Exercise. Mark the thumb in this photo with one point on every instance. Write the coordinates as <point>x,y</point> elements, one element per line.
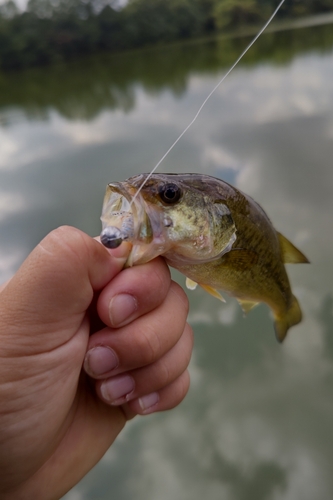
<point>53,289</point>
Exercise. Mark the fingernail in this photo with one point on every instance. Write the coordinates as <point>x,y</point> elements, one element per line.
<point>121,307</point>
<point>114,390</point>
<point>147,402</point>
<point>99,360</point>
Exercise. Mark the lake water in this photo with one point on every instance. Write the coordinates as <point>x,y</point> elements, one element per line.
<point>257,423</point>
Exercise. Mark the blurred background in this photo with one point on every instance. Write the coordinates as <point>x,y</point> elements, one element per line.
<point>95,91</point>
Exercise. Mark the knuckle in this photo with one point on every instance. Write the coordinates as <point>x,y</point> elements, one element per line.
<point>184,385</point>
<point>181,296</point>
<point>149,345</point>
<point>179,389</point>
<point>191,335</point>
<point>68,240</point>
<point>65,235</point>
<point>162,273</point>
<point>188,331</point>
<point>186,345</point>
<point>158,282</point>
<point>164,374</point>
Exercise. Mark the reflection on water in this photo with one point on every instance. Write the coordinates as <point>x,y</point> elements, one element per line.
<point>257,421</point>
<point>110,81</point>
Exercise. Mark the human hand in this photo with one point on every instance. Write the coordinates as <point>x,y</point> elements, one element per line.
<point>54,423</point>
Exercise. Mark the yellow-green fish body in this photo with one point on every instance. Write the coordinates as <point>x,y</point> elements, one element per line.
<point>210,231</point>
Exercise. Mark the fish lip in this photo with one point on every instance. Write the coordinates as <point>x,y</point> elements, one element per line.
<point>119,200</point>
<point>125,209</point>
<point>139,223</point>
<point>130,193</point>
<point>120,188</point>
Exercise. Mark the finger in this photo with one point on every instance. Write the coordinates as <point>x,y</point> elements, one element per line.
<point>3,285</point>
<point>53,288</point>
<point>134,292</point>
<point>150,379</point>
<point>165,399</point>
<point>142,342</point>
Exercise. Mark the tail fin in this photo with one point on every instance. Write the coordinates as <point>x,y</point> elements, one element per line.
<point>293,316</point>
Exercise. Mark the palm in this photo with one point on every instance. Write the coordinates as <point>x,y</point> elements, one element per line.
<point>70,422</point>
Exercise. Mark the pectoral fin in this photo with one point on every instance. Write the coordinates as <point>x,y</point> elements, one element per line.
<point>190,284</point>
<point>247,305</point>
<point>291,254</point>
<point>240,258</point>
<point>212,291</point>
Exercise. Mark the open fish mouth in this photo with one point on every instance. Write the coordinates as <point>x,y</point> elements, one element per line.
<point>118,216</point>
<point>124,218</point>
<point>127,217</point>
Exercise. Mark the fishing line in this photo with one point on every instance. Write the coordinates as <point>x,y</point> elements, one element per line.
<point>208,97</point>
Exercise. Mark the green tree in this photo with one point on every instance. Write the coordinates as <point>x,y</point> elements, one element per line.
<point>41,8</point>
<point>235,13</point>
<point>8,10</point>
<point>152,21</point>
<point>53,30</point>
<point>113,33</point>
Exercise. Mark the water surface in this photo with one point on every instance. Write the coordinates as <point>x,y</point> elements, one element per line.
<point>257,423</point>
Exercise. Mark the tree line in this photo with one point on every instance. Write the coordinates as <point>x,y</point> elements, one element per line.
<point>49,31</point>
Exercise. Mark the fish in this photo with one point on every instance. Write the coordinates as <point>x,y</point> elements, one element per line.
<point>213,233</point>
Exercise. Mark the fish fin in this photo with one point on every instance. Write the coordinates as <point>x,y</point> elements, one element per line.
<point>291,254</point>
<point>212,291</point>
<point>243,259</point>
<point>190,284</point>
<point>292,317</point>
<point>247,305</point>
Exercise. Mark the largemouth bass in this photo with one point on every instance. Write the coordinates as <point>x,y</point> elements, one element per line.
<point>214,234</point>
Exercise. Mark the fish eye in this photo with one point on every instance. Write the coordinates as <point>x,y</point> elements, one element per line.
<point>170,193</point>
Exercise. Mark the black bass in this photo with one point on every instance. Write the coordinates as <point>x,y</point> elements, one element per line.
<point>214,234</point>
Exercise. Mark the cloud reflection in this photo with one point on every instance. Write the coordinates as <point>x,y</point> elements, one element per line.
<point>257,422</point>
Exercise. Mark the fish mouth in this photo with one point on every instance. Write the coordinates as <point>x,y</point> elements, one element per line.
<point>119,213</point>
<point>127,217</point>
<point>131,215</point>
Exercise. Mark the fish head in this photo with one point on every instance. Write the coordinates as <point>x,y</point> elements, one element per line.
<point>175,215</point>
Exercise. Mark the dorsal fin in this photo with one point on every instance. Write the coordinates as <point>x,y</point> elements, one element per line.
<point>291,254</point>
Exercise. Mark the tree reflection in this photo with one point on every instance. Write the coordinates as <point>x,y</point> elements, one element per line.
<point>83,89</point>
